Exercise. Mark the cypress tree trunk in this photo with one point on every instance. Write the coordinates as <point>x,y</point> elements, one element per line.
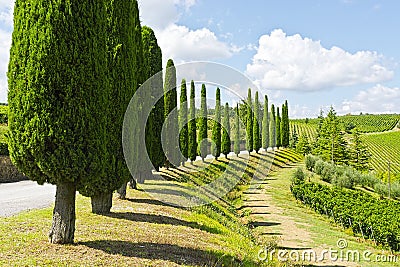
<point>192,138</point>
<point>121,192</point>
<point>63,226</point>
<point>102,203</point>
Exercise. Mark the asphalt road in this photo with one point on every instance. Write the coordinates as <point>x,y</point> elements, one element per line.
<point>25,195</point>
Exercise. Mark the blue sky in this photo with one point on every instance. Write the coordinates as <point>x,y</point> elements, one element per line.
<point>315,53</point>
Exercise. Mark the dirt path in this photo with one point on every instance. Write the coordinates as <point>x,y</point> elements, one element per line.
<point>272,220</point>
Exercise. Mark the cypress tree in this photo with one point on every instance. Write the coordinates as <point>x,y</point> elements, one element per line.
<point>152,56</point>
<point>171,125</point>
<point>57,128</point>
<point>183,123</point>
<point>236,144</point>
<point>192,146</point>
<point>203,143</point>
<point>226,140</point>
<point>265,125</point>
<point>256,124</point>
<point>272,127</point>
<point>124,58</point>
<point>249,123</point>
<point>285,125</point>
<point>216,131</point>
<point>278,129</point>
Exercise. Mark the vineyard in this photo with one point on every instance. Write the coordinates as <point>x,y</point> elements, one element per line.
<point>366,216</point>
<point>384,147</point>
<point>371,123</point>
<point>301,128</point>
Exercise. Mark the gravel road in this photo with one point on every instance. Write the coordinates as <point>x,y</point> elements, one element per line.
<point>25,195</point>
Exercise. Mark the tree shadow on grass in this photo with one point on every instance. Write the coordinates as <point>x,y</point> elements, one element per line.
<point>161,219</point>
<point>154,251</point>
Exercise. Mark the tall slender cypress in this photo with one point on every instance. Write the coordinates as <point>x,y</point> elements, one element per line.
<point>192,140</point>
<point>278,129</point>
<point>256,124</point>
<point>171,124</point>
<point>285,125</point>
<point>216,130</point>
<point>152,56</point>
<point>249,123</point>
<point>203,142</point>
<point>57,127</point>
<point>226,132</point>
<point>272,127</point>
<point>265,125</point>
<point>236,143</point>
<point>183,123</point>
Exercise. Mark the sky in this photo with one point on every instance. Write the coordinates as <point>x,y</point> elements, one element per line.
<point>314,53</point>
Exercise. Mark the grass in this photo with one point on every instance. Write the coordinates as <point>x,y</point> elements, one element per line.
<point>324,232</point>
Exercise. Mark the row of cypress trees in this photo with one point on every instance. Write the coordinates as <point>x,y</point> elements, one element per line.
<point>73,69</point>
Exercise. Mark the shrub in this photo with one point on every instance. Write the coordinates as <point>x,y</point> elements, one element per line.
<point>328,172</point>
<point>319,166</point>
<point>298,176</point>
<point>369,180</point>
<point>310,161</point>
<point>346,179</point>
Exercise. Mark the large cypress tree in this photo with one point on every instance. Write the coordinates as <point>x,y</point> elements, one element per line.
<point>278,129</point>
<point>183,123</point>
<point>171,124</point>
<point>216,130</point>
<point>192,140</point>
<point>57,126</point>
<point>152,56</point>
<point>256,124</point>
<point>272,128</point>
<point>203,142</point>
<point>265,125</point>
<point>226,139</point>
<point>249,123</point>
<point>125,64</point>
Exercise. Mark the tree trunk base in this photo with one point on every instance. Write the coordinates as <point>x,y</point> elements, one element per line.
<point>102,203</point>
<point>63,226</point>
<point>121,192</point>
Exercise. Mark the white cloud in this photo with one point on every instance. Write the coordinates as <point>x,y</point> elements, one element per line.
<point>378,99</point>
<point>179,42</point>
<point>6,21</point>
<point>297,63</point>
<point>6,12</point>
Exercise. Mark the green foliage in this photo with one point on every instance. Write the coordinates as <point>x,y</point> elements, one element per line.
<point>236,144</point>
<point>171,125</point>
<point>58,91</point>
<point>152,57</point>
<point>310,161</point>
<point>249,123</point>
<point>278,129</point>
<point>369,123</point>
<point>298,177</point>
<point>216,129</point>
<point>303,146</point>
<point>285,126</point>
<point>272,127</point>
<point>203,143</point>
<point>4,149</point>
<point>373,218</point>
<point>192,140</point>
<point>265,125</point>
<point>226,140</point>
<point>256,124</point>
<point>359,154</point>
<point>183,126</point>
<point>3,114</point>
<point>319,166</point>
